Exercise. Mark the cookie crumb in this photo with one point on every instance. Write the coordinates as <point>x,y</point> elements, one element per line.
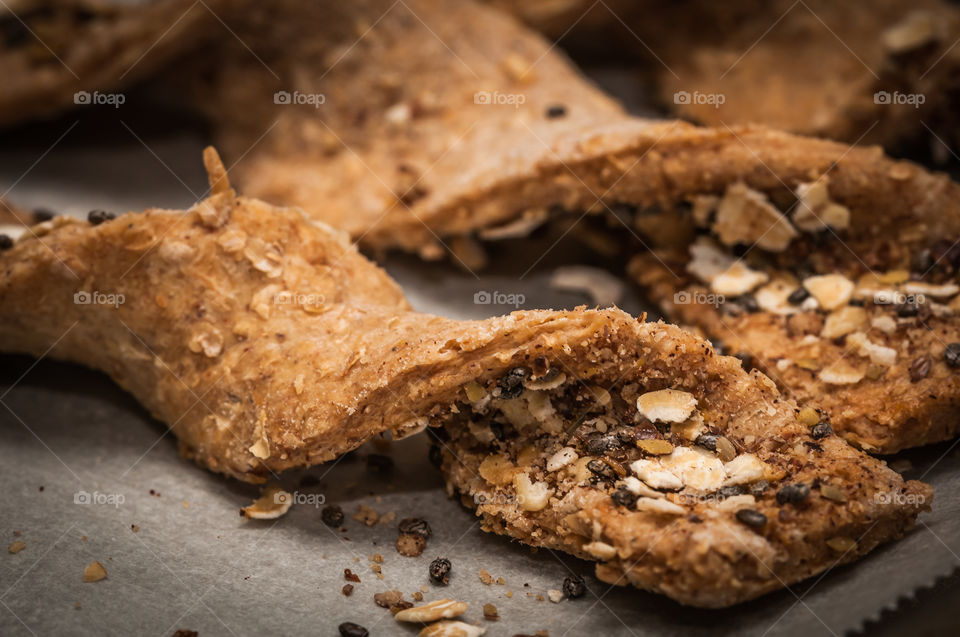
<point>17,546</point>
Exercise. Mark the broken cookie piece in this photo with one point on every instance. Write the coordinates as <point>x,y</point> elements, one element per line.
<point>685,475</point>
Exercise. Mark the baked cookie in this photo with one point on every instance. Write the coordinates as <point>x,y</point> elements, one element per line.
<point>872,71</point>
<point>54,54</point>
<point>266,341</point>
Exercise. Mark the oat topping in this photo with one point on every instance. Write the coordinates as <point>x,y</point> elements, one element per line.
<point>432,611</point>
<point>830,290</point>
<point>666,405</point>
<point>914,31</point>
<point>452,629</point>
<point>815,211</point>
<point>737,280</point>
<point>94,572</point>
<point>745,216</point>
<point>561,459</point>
<point>273,503</point>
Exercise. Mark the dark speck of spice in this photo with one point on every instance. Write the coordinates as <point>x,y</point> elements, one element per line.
<point>601,469</point>
<point>623,497</point>
<point>511,385</point>
<point>96,217</point>
<point>752,518</point>
<point>573,586</point>
<point>798,296</point>
<point>5,242</point>
<point>415,526</point>
<point>381,465</point>
<point>332,515</point>
<point>952,354</point>
<point>821,430</point>
<point>440,570</point>
<point>920,368</point>
<point>793,493</point>
<point>349,629</point>
<point>555,111</point>
<point>707,441</point>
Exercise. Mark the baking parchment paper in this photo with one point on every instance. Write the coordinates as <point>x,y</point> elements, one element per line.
<point>195,564</point>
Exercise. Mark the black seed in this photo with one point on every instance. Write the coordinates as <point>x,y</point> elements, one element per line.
<point>573,586</point>
<point>752,518</point>
<point>757,488</point>
<point>556,110</point>
<point>96,217</point>
<point>602,469</point>
<point>5,242</point>
<point>920,368</point>
<point>379,464</point>
<point>623,497</point>
<point>798,296</point>
<point>41,214</point>
<point>415,526</point>
<point>793,493</point>
<point>908,309</point>
<point>707,441</point>
<point>332,515</point>
<point>598,445</point>
<point>511,385</point>
<point>728,492</point>
<point>627,436</point>
<point>821,430</point>
<point>435,456</point>
<point>440,570</point>
<point>922,262</point>
<point>952,354</point>
<point>349,629</point>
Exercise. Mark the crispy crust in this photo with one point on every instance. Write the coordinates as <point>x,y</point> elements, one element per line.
<point>266,342</point>
<point>53,49</point>
<point>704,556</point>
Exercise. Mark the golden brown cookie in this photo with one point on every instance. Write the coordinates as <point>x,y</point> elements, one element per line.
<point>266,341</point>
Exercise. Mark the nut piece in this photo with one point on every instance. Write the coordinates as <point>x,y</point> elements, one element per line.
<point>650,472</point>
<point>663,507</point>
<point>531,496</point>
<point>439,609</point>
<point>746,216</point>
<point>17,546</point>
<point>452,629</point>
<point>744,469</point>
<point>815,211</point>
<point>831,290</point>
<point>94,572</point>
<point>841,373</point>
<point>655,446</point>
<point>272,503</point>
<point>844,321</point>
<point>738,279</point>
<point>600,550</point>
<point>561,459</point>
<point>666,405</point>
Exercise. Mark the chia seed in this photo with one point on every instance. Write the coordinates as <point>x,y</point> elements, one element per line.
<point>793,493</point>
<point>821,430</point>
<point>96,217</point>
<point>751,518</point>
<point>798,296</point>
<point>440,570</point>
<point>573,586</point>
<point>511,385</point>
<point>952,354</point>
<point>332,515</point>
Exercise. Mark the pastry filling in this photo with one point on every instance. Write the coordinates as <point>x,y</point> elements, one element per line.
<point>537,440</point>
